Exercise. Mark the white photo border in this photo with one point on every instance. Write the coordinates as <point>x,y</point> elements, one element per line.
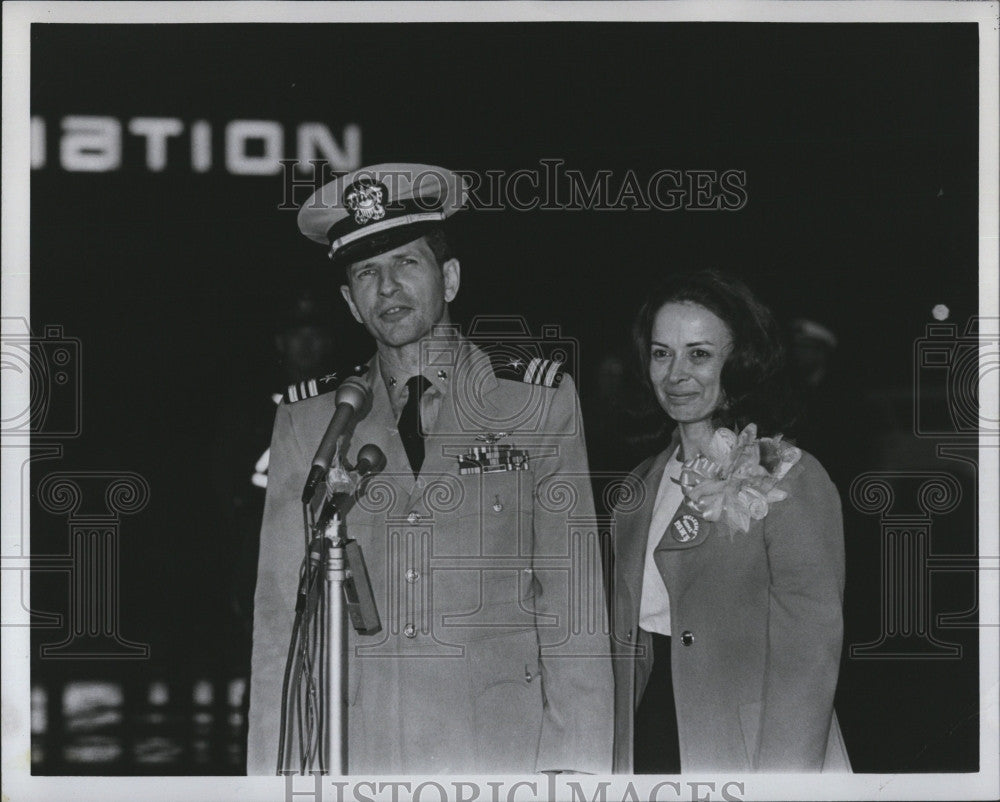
<point>18,784</point>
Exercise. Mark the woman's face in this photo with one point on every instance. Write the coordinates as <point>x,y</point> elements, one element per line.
<point>689,345</point>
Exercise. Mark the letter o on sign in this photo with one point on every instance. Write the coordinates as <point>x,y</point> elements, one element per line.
<point>240,132</point>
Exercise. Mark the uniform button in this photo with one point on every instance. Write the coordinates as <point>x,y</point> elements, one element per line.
<point>410,631</point>
<point>412,575</point>
<point>413,517</point>
<point>628,636</point>
<point>687,638</point>
<point>497,506</point>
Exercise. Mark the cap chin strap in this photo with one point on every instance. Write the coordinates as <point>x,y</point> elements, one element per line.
<point>347,239</point>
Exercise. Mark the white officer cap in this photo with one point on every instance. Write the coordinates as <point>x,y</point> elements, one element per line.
<point>375,209</point>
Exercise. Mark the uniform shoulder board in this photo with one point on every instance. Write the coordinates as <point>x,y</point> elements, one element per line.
<point>530,370</point>
<point>310,388</point>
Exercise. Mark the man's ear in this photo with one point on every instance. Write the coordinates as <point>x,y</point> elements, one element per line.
<point>452,271</point>
<point>346,292</point>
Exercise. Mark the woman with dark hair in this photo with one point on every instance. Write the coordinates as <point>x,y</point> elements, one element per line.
<point>729,555</point>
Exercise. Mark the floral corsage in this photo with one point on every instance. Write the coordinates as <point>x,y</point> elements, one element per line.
<point>738,476</point>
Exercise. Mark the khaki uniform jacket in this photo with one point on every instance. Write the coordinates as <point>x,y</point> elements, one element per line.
<point>756,629</point>
<point>494,650</point>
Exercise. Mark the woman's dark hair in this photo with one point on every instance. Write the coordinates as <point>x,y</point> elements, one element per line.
<point>755,386</point>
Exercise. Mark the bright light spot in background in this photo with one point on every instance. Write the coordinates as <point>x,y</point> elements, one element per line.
<point>93,749</point>
<point>90,705</point>
<point>203,692</point>
<point>237,688</point>
<point>39,710</point>
<point>156,749</point>
<point>237,691</point>
<point>158,694</point>
<point>940,312</point>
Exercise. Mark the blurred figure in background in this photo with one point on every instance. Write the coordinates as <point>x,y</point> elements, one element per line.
<point>830,398</point>
<point>620,429</point>
<point>304,340</point>
<point>612,438</point>
<point>303,349</point>
<point>812,347</point>
<point>623,425</point>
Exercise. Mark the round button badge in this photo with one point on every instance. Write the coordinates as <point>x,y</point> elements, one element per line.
<point>685,528</point>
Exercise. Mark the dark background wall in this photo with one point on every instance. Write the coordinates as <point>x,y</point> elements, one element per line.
<point>859,144</point>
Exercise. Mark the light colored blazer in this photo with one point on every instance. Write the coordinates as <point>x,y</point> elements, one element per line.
<point>756,627</point>
<point>507,670</point>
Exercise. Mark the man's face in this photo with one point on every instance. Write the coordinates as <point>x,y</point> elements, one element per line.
<point>401,294</point>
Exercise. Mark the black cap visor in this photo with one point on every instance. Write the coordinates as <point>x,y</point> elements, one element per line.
<point>381,242</point>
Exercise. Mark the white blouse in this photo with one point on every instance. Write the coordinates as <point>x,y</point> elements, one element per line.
<point>654,607</point>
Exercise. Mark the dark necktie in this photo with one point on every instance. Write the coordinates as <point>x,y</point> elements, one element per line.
<point>409,423</point>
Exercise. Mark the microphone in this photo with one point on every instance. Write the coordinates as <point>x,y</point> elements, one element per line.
<point>371,460</point>
<point>352,397</point>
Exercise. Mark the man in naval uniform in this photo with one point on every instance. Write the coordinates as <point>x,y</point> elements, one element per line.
<point>479,536</point>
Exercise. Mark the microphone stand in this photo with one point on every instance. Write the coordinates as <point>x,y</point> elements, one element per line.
<point>333,644</point>
<point>326,598</point>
